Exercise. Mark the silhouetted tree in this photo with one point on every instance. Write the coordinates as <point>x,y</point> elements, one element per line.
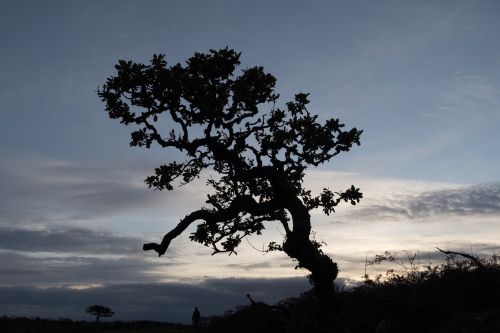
<point>99,311</point>
<point>228,122</point>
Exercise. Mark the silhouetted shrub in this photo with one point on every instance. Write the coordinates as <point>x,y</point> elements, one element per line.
<point>457,296</point>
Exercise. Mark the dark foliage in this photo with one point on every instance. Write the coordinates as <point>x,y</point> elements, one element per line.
<point>99,311</point>
<point>226,121</point>
<point>457,296</point>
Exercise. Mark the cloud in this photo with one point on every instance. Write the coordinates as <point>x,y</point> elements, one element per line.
<point>80,257</point>
<point>47,249</point>
<point>175,301</point>
<point>38,193</point>
<point>472,200</point>
<point>56,269</point>
<point>466,93</point>
<point>249,267</point>
<point>73,257</point>
<point>166,302</point>
<point>482,200</point>
<point>68,241</point>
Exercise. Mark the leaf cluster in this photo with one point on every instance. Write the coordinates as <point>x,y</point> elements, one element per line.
<point>99,310</point>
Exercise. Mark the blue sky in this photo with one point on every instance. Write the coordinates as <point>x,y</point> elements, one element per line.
<point>421,78</point>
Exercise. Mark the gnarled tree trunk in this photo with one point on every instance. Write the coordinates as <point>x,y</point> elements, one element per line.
<point>299,246</point>
<point>323,270</point>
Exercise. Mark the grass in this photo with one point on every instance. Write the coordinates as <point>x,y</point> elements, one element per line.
<point>37,325</point>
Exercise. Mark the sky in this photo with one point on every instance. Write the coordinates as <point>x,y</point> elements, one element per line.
<point>421,78</point>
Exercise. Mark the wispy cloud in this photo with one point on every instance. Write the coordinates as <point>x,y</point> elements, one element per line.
<point>37,193</point>
<point>470,95</point>
<point>482,200</point>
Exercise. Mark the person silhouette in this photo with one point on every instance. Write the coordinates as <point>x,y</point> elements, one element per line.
<point>196,318</point>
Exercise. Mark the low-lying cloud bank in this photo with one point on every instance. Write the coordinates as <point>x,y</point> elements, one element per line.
<point>55,270</point>
<point>68,257</point>
<point>73,240</point>
<point>172,302</point>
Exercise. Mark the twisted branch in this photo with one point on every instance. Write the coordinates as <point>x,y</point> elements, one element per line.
<point>241,204</point>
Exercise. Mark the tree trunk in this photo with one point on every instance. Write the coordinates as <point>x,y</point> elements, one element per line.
<point>323,270</point>
<point>299,246</point>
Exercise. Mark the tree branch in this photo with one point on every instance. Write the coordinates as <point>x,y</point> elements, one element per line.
<point>475,260</point>
<point>241,204</point>
<point>183,224</point>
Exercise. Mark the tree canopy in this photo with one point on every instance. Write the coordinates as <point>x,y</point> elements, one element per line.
<point>227,121</point>
<point>99,311</point>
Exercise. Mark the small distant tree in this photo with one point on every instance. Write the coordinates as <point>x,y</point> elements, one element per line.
<point>228,122</point>
<point>99,311</point>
